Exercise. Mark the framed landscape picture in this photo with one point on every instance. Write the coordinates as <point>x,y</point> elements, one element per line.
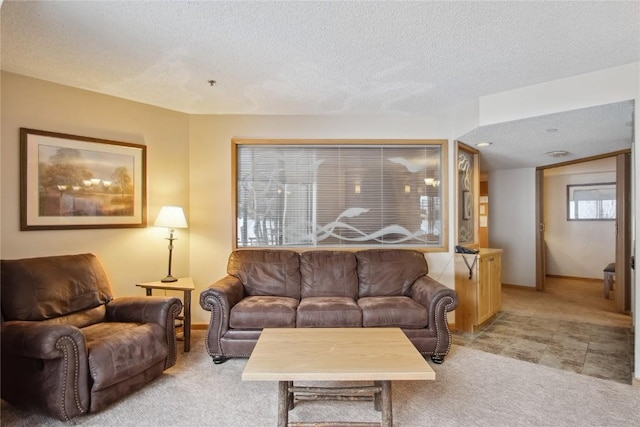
<point>77,182</point>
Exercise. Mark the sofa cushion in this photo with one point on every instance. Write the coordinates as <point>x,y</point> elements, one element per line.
<point>400,312</point>
<point>328,312</point>
<point>119,351</point>
<point>267,272</point>
<point>389,272</point>
<point>328,274</point>
<point>257,312</point>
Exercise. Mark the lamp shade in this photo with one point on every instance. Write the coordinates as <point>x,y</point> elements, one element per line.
<point>171,217</point>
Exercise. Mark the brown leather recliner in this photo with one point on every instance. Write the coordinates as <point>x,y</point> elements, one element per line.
<point>69,347</point>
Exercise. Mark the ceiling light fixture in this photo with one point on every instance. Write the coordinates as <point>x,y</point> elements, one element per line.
<point>433,182</point>
<point>484,144</point>
<point>557,153</point>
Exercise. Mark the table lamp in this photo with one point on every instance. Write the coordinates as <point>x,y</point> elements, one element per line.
<point>171,217</point>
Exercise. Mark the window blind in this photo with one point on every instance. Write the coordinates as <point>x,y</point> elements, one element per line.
<point>592,201</point>
<point>339,195</point>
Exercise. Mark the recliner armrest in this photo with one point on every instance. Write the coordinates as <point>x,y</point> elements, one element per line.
<point>152,309</point>
<point>45,366</point>
<point>39,340</point>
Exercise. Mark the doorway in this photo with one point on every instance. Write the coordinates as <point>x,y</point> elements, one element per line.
<point>581,249</point>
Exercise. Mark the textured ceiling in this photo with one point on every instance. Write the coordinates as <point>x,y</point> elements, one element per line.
<point>327,57</point>
<point>581,133</point>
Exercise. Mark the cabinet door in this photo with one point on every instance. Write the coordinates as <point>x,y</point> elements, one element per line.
<point>484,289</point>
<point>466,287</point>
<point>496,283</point>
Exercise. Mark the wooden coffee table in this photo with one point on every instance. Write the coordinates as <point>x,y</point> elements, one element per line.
<point>335,354</point>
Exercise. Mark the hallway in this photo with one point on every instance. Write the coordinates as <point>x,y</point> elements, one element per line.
<point>570,326</point>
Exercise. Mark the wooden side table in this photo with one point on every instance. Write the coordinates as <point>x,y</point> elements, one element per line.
<point>186,285</point>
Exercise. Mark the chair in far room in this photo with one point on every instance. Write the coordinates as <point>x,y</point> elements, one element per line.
<point>69,347</point>
<point>609,278</point>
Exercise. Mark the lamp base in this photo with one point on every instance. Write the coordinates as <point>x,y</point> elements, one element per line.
<point>169,279</point>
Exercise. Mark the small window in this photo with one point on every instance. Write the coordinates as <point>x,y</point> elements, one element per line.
<point>591,202</point>
<point>325,193</point>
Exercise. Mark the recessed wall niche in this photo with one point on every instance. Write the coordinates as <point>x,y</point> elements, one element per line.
<point>467,194</point>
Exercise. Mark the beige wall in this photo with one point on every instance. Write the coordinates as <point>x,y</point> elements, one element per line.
<point>188,164</point>
<point>210,168</point>
<point>130,255</point>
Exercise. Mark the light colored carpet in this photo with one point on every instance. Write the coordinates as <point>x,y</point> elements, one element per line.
<point>472,388</point>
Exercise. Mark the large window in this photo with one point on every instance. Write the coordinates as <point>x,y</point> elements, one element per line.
<point>339,193</point>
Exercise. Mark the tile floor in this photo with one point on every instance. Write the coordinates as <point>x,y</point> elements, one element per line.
<point>601,351</point>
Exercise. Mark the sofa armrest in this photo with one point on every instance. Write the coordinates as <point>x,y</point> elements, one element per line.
<point>429,293</point>
<point>226,292</point>
<point>439,300</point>
<point>50,358</point>
<point>219,298</point>
<point>160,310</point>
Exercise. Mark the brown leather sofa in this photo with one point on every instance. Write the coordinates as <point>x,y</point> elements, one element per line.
<point>331,289</point>
<point>68,347</point>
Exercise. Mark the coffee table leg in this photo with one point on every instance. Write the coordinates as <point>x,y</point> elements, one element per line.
<point>291,396</point>
<point>385,402</point>
<point>283,403</point>
<point>376,396</point>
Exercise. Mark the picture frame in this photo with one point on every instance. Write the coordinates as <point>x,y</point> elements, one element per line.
<point>77,182</point>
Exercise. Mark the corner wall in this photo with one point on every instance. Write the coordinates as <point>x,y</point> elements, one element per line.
<point>510,223</point>
<point>130,255</point>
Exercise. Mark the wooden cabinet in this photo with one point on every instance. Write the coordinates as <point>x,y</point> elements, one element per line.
<point>479,287</point>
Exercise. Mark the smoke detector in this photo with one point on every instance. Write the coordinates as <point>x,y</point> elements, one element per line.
<point>557,153</point>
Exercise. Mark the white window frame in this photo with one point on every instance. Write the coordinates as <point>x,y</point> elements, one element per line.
<point>593,198</point>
